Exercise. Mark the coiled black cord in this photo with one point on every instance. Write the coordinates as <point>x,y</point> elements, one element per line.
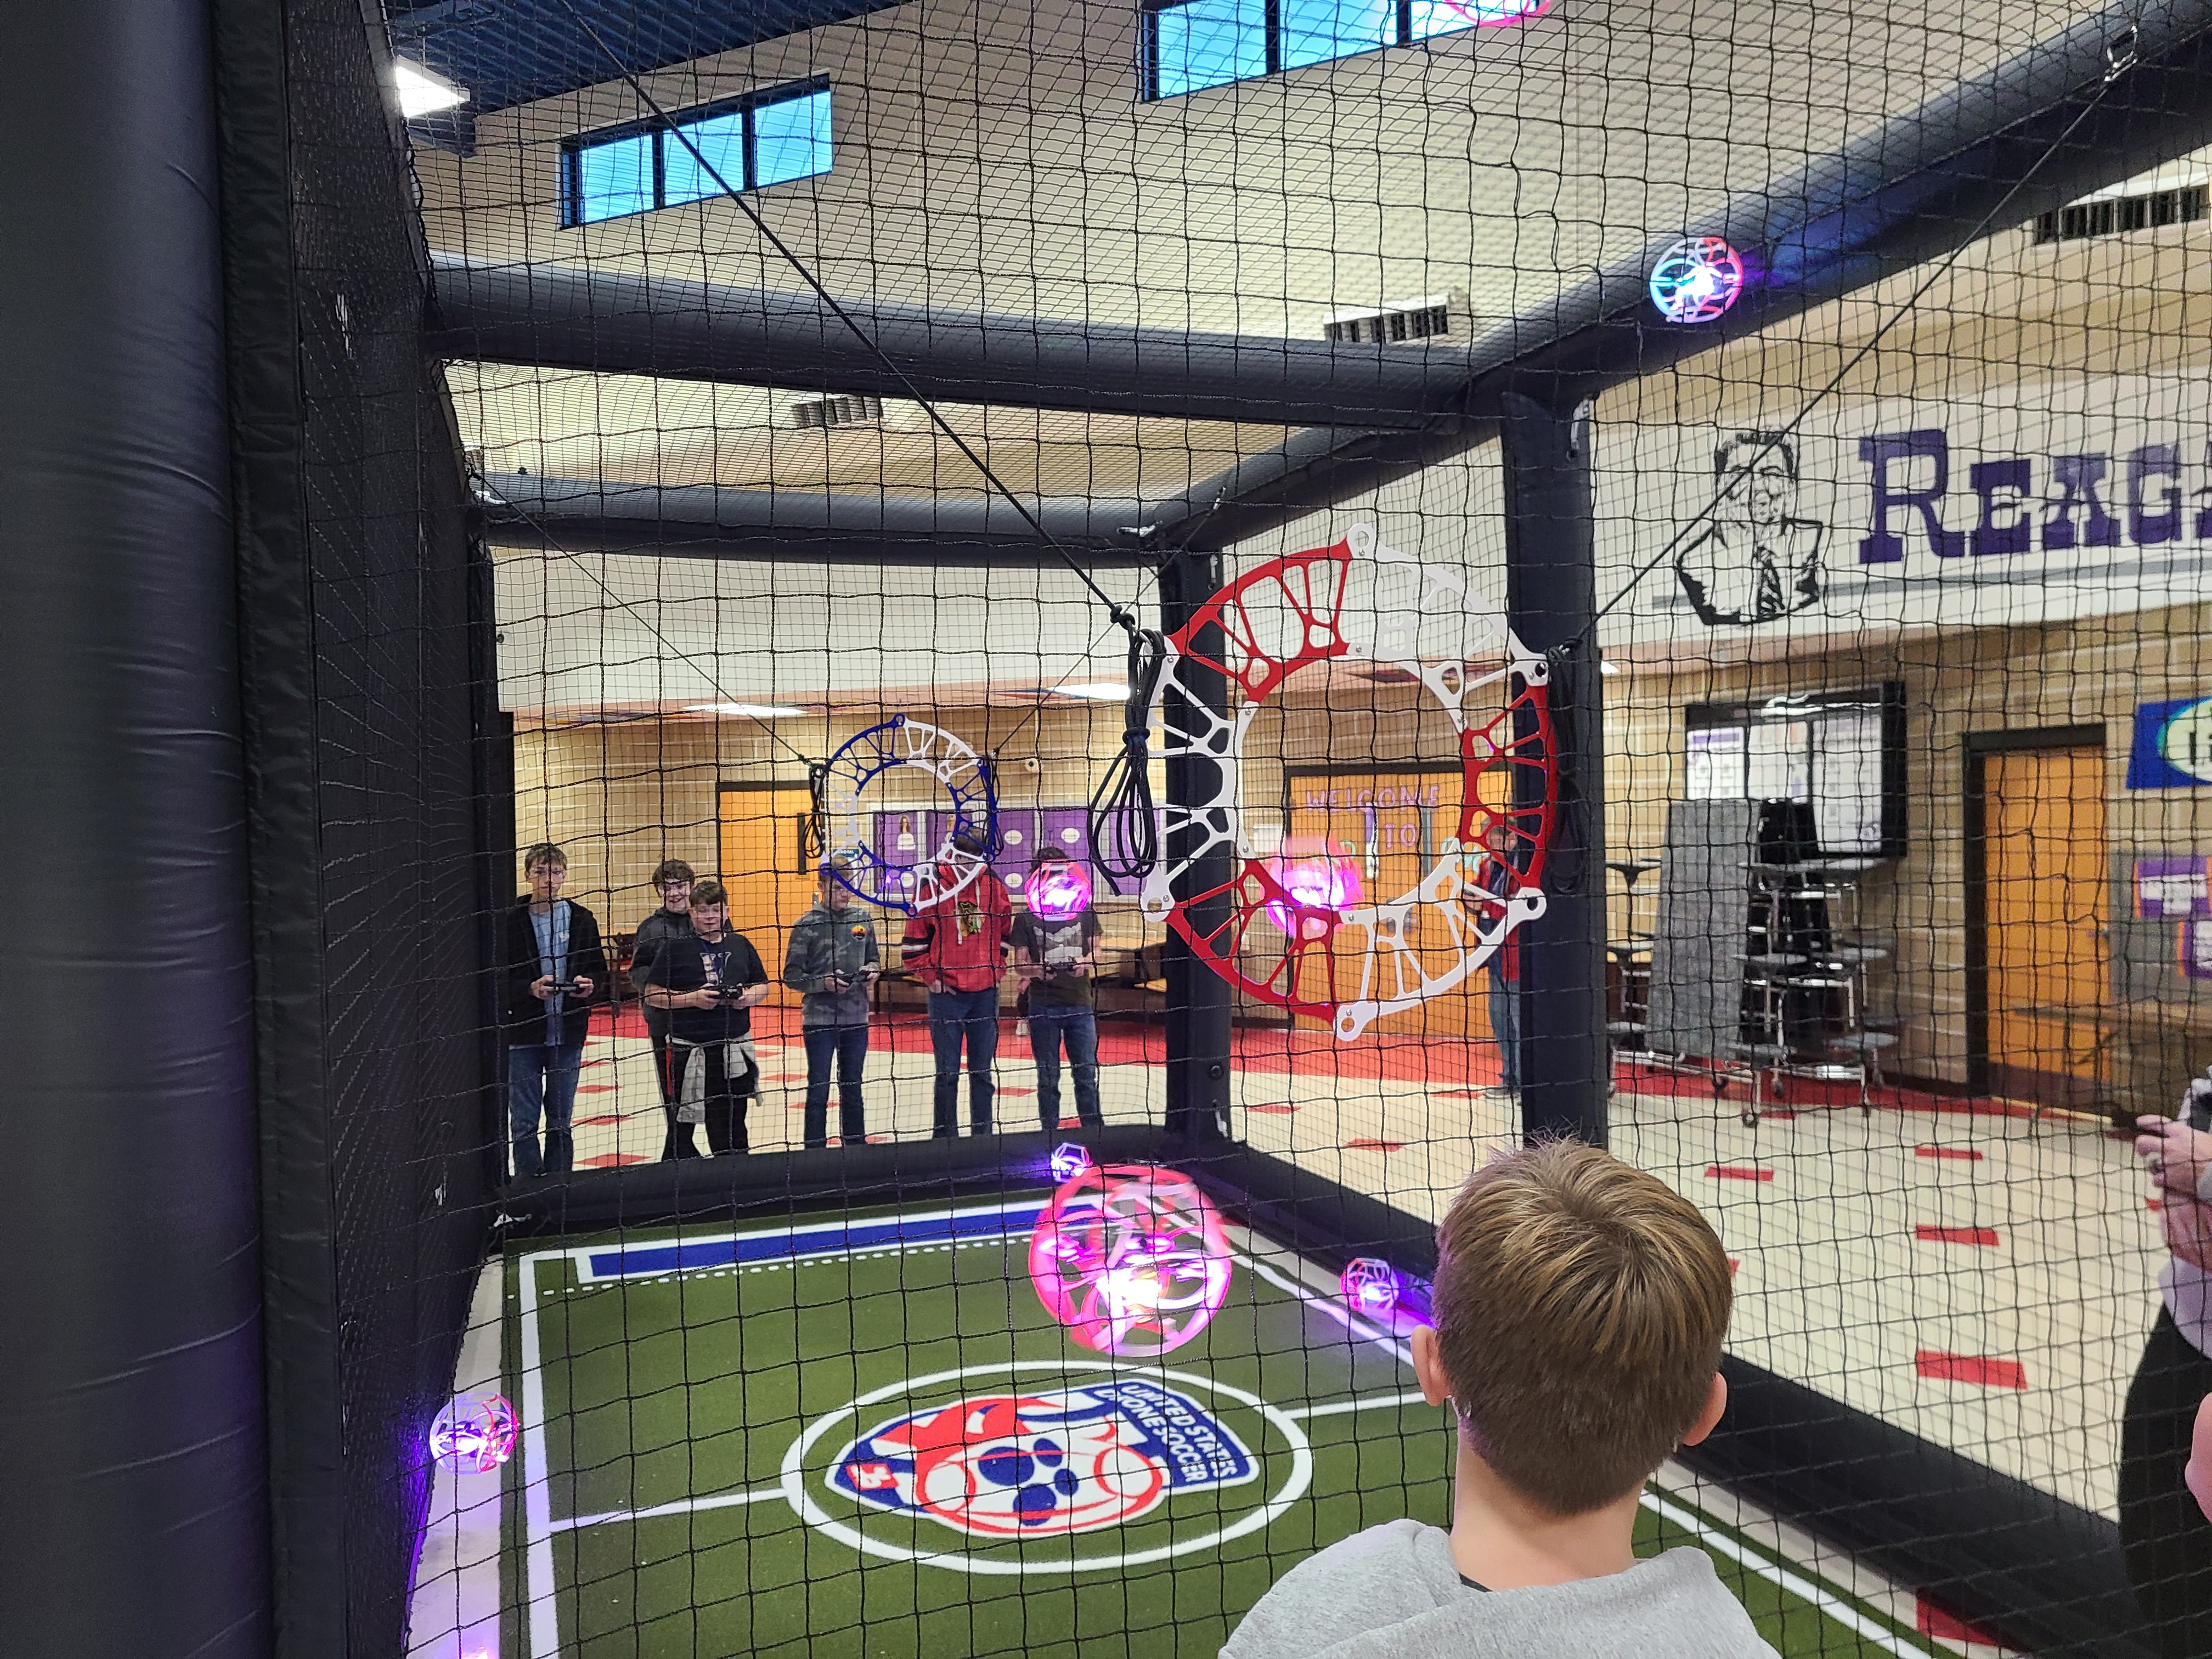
<point>1124,832</point>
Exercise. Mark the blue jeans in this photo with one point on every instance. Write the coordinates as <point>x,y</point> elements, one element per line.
<point>1049,1024</point>
<point>542,1076</point>
<point>970,1018</point>
<point>1505,1026</point>
<point>848,1046</point>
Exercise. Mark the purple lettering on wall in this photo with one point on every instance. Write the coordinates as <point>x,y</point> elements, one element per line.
<point>1882,545</point>
<point>2154,461</point>
<point>2003,486</point>
<point>2077,478</point>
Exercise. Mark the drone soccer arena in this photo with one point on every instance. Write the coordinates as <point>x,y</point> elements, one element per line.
<point>797,783</point>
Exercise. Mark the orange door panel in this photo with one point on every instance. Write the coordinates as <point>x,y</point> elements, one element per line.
<point>764,866</point>
<point>2045,909</point>
<point>1392,846</point>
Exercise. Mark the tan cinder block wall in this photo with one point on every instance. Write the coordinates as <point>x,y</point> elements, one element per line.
<point>2093,671</point>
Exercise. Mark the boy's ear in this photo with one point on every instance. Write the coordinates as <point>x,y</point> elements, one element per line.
<point>1715,1403</point>
<point>1436,1386</point>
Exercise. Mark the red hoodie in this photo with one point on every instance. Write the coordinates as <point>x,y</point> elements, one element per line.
<point>959,944</point>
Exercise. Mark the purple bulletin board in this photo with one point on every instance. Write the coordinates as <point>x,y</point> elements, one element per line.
<point>2172,889</point>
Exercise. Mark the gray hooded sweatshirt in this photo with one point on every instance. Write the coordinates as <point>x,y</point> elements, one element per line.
<point>1392,1592</point>
<point>826,944</point>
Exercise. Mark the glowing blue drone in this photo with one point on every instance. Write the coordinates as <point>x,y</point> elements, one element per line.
<point>971,830</point>
<point>1697,279</point>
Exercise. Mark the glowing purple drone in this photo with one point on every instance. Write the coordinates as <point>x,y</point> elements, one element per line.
<point>1069,1161</point>
<point>475,1434</point>
<point>1370,1285</point>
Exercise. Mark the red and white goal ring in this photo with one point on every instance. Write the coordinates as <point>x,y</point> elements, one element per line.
<point>1359,599</point>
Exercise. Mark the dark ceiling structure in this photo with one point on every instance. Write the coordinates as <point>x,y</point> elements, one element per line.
<point>517,51</point>
<point>2091,105</point>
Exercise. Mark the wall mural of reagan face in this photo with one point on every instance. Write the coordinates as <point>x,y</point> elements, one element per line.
<point>1759,558</point>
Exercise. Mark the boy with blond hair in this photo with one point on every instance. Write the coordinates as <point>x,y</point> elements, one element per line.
<point>1580,1306</point>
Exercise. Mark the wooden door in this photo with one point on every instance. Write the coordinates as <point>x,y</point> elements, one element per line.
<point>767,870</point>
<point>1390,830</point>
<point>2044,913</point>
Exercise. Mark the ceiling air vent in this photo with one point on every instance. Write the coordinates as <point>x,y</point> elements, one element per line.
<point>857,410</point>
<point>2115,216</point>
<point>1431,316</point>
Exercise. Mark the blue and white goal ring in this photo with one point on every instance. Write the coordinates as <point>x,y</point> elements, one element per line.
<point>895,883</point>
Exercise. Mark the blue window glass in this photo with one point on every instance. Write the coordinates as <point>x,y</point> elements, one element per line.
<point>721,140</point>
<point>791,138</point>
<point>762,138</point>
<point>1208,43</point>
<point>1432,18</point>
<point>613,178</point>
<point>1314,31</point>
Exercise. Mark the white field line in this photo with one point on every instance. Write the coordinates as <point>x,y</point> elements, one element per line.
<point>681,1506</point>
<point>1359,1328</point>
<point>1338,1407</point>
<point>544,1639</point>
<point>1819,1594</point>
<point>537,1497</point>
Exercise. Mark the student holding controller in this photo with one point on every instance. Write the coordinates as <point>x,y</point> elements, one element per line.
<point>709,980</point>
<point>832,962</point>
<point>2164,1535</point>
<point>556,969</point>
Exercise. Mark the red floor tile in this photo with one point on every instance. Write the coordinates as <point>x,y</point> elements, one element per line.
<point>1932,1235</point>
<point>1737,1172</point>
<point>614,1118</point>
<point>1735,1261</point>
<point>1365,1145</point>
<point>607,1160</point>
<point>1275,1106</point>
<point>1963,1154</point>
<point>2153,1204</point>
<point>1971,1368</point>
<point>595,1088</point>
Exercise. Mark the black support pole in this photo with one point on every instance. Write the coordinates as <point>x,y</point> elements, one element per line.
<point>1551,602</point>
<point>136,1514</point>
<point>1198,998</point>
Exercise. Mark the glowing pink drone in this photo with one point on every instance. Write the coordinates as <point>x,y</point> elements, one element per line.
<point>1312,887</point>
<point>1058,892</point>
<point>1131,1259</point>
<point>1494,13</point>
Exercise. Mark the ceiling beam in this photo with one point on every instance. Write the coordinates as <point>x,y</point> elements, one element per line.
<point>613,322</point>
<point>1914,189</point>
<point>578,515</point>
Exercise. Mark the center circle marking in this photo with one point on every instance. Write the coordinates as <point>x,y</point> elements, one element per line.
<point>803,1503</point>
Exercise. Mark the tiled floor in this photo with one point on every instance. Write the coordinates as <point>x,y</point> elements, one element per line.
<point>1983,1281</point>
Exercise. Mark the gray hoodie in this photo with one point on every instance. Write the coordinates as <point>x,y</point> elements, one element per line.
<point>826,943</point>
<point>1392,1592</point>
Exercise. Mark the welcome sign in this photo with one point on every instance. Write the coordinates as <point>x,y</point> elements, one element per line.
<point>2035,503</point>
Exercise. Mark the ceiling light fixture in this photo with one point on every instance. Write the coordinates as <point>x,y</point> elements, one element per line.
<point>758,711</point>
<point>424,91</point>
<point>1102,692</point>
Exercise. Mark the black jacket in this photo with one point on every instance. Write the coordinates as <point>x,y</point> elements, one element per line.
<point>524,1015</point>
<point>652,936</point>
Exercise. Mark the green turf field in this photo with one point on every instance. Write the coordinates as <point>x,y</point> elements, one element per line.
<point>740,1443</point>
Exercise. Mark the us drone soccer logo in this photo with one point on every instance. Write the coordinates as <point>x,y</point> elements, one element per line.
<point>1045,1464</point>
